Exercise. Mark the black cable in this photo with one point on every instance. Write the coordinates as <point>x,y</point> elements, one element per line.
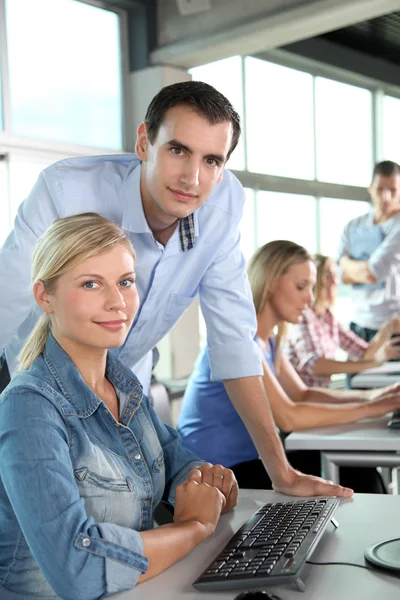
<point>346,564</point>
<point>310,562</point>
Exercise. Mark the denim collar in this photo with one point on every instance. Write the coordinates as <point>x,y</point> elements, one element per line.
<point>76,390</point>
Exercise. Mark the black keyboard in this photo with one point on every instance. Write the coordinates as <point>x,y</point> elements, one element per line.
<point>271,547</point>
<point>394,422</point>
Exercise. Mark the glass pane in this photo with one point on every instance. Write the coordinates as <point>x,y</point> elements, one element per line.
<point>22,177</point>
<point>5,221</point>
<point>286,217</point>
<point>343,132</point>
<point>247,226</point>
<point>391,128</point>
<point>226,76</point>
<point>334,215</point>
<point>279,120</point>
<point>65,72</point>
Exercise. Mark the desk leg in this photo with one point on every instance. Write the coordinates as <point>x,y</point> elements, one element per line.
<point>329,469</point>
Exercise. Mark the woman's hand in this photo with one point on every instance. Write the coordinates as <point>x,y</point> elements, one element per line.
<point>219,477</point>
<point>385,400</point>
<point>388,351</point>
<point>392,327</point>
<point>198,502</point>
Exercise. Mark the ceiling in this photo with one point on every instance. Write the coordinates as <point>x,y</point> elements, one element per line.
<point>378,37</point>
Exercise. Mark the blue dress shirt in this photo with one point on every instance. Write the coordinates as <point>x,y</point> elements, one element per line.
<point>76,486</point>
<point>208,423</point>
<point>168,278</point>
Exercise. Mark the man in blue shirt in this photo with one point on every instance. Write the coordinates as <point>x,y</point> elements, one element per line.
<point>369,254</point>
<point>181,210</point>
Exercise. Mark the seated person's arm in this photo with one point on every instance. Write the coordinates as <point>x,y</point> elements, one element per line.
<point>379,350</point>
<point>102,558</point>
<point>198,503</point>
<point>309,351</point>
<point>308,411</point>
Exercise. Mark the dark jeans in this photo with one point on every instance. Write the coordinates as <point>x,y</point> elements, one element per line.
<point>365,480</point>
<point>364,332</point>
<point>4,374</point>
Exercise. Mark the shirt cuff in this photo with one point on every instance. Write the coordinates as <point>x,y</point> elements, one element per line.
<point>123,550</point>
<point>235,360</point>
<point>181,477</point>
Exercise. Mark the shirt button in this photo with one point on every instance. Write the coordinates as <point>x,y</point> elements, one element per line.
<point>137,457</point>
<point>86,542</point>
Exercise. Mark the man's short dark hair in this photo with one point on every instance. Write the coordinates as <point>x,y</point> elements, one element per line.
<point>202,98</point>
<point>386,168</point>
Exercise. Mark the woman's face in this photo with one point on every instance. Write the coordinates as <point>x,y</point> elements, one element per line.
<point>330,282</point>
<point>294,292</point>
<point>94,303</point>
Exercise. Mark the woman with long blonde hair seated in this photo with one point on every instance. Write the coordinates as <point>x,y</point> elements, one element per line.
<point>84,460</point>
<point>282,277</point>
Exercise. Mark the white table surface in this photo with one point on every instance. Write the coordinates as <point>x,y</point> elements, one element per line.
<point>369,435</point>
<point>363,521</point>
<point>365,381</point>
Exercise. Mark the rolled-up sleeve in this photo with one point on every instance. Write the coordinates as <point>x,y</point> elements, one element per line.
<point>351,343</point>
<point>227,305</point>
<point>385,261</point>
<point>80,559</point>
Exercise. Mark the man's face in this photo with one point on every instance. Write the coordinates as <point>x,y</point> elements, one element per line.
<point>385,193</point>
<point>182,166</point>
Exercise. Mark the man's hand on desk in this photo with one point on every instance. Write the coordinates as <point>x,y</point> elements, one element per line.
<point>310,485</point>
<point>219,477</point>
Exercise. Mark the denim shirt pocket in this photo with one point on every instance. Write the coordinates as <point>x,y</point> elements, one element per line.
<point>115,485</point>
<point>107,499</point>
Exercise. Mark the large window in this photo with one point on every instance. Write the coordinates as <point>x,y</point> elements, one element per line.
<point>279,120</point>
<point>65,72</point>
<point>334,214</point>
<point>286,217</point>
<point>226,76</point>
<point>391,128</point>
<point>343,132</point>
<point>60,90</point>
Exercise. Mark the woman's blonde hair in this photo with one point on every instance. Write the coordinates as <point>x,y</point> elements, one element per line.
<point>266,266</point>
<point>66,243</point>
<point>320,262</point>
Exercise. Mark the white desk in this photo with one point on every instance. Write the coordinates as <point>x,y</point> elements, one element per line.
<point>366,443</point>
<point>363,521</point>
<point>366,381</point>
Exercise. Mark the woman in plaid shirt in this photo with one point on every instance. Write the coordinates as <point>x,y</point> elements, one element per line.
<point>315,340</point>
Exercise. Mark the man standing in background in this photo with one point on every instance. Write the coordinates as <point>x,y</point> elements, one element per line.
<point>369,254</point>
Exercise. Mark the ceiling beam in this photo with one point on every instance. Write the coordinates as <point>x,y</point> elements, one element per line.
<point>290,25</point>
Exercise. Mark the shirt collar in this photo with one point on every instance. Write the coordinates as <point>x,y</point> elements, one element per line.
<point>134,219</point>
<point>76,390</point>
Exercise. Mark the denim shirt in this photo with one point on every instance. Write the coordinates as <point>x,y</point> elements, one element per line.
<point>76,486</point>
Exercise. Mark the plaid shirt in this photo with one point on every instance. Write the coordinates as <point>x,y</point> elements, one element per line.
<point>319,337</point>
<point>186,233</point>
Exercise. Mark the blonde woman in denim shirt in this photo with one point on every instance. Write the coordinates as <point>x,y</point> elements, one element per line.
<point>84,459</point>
